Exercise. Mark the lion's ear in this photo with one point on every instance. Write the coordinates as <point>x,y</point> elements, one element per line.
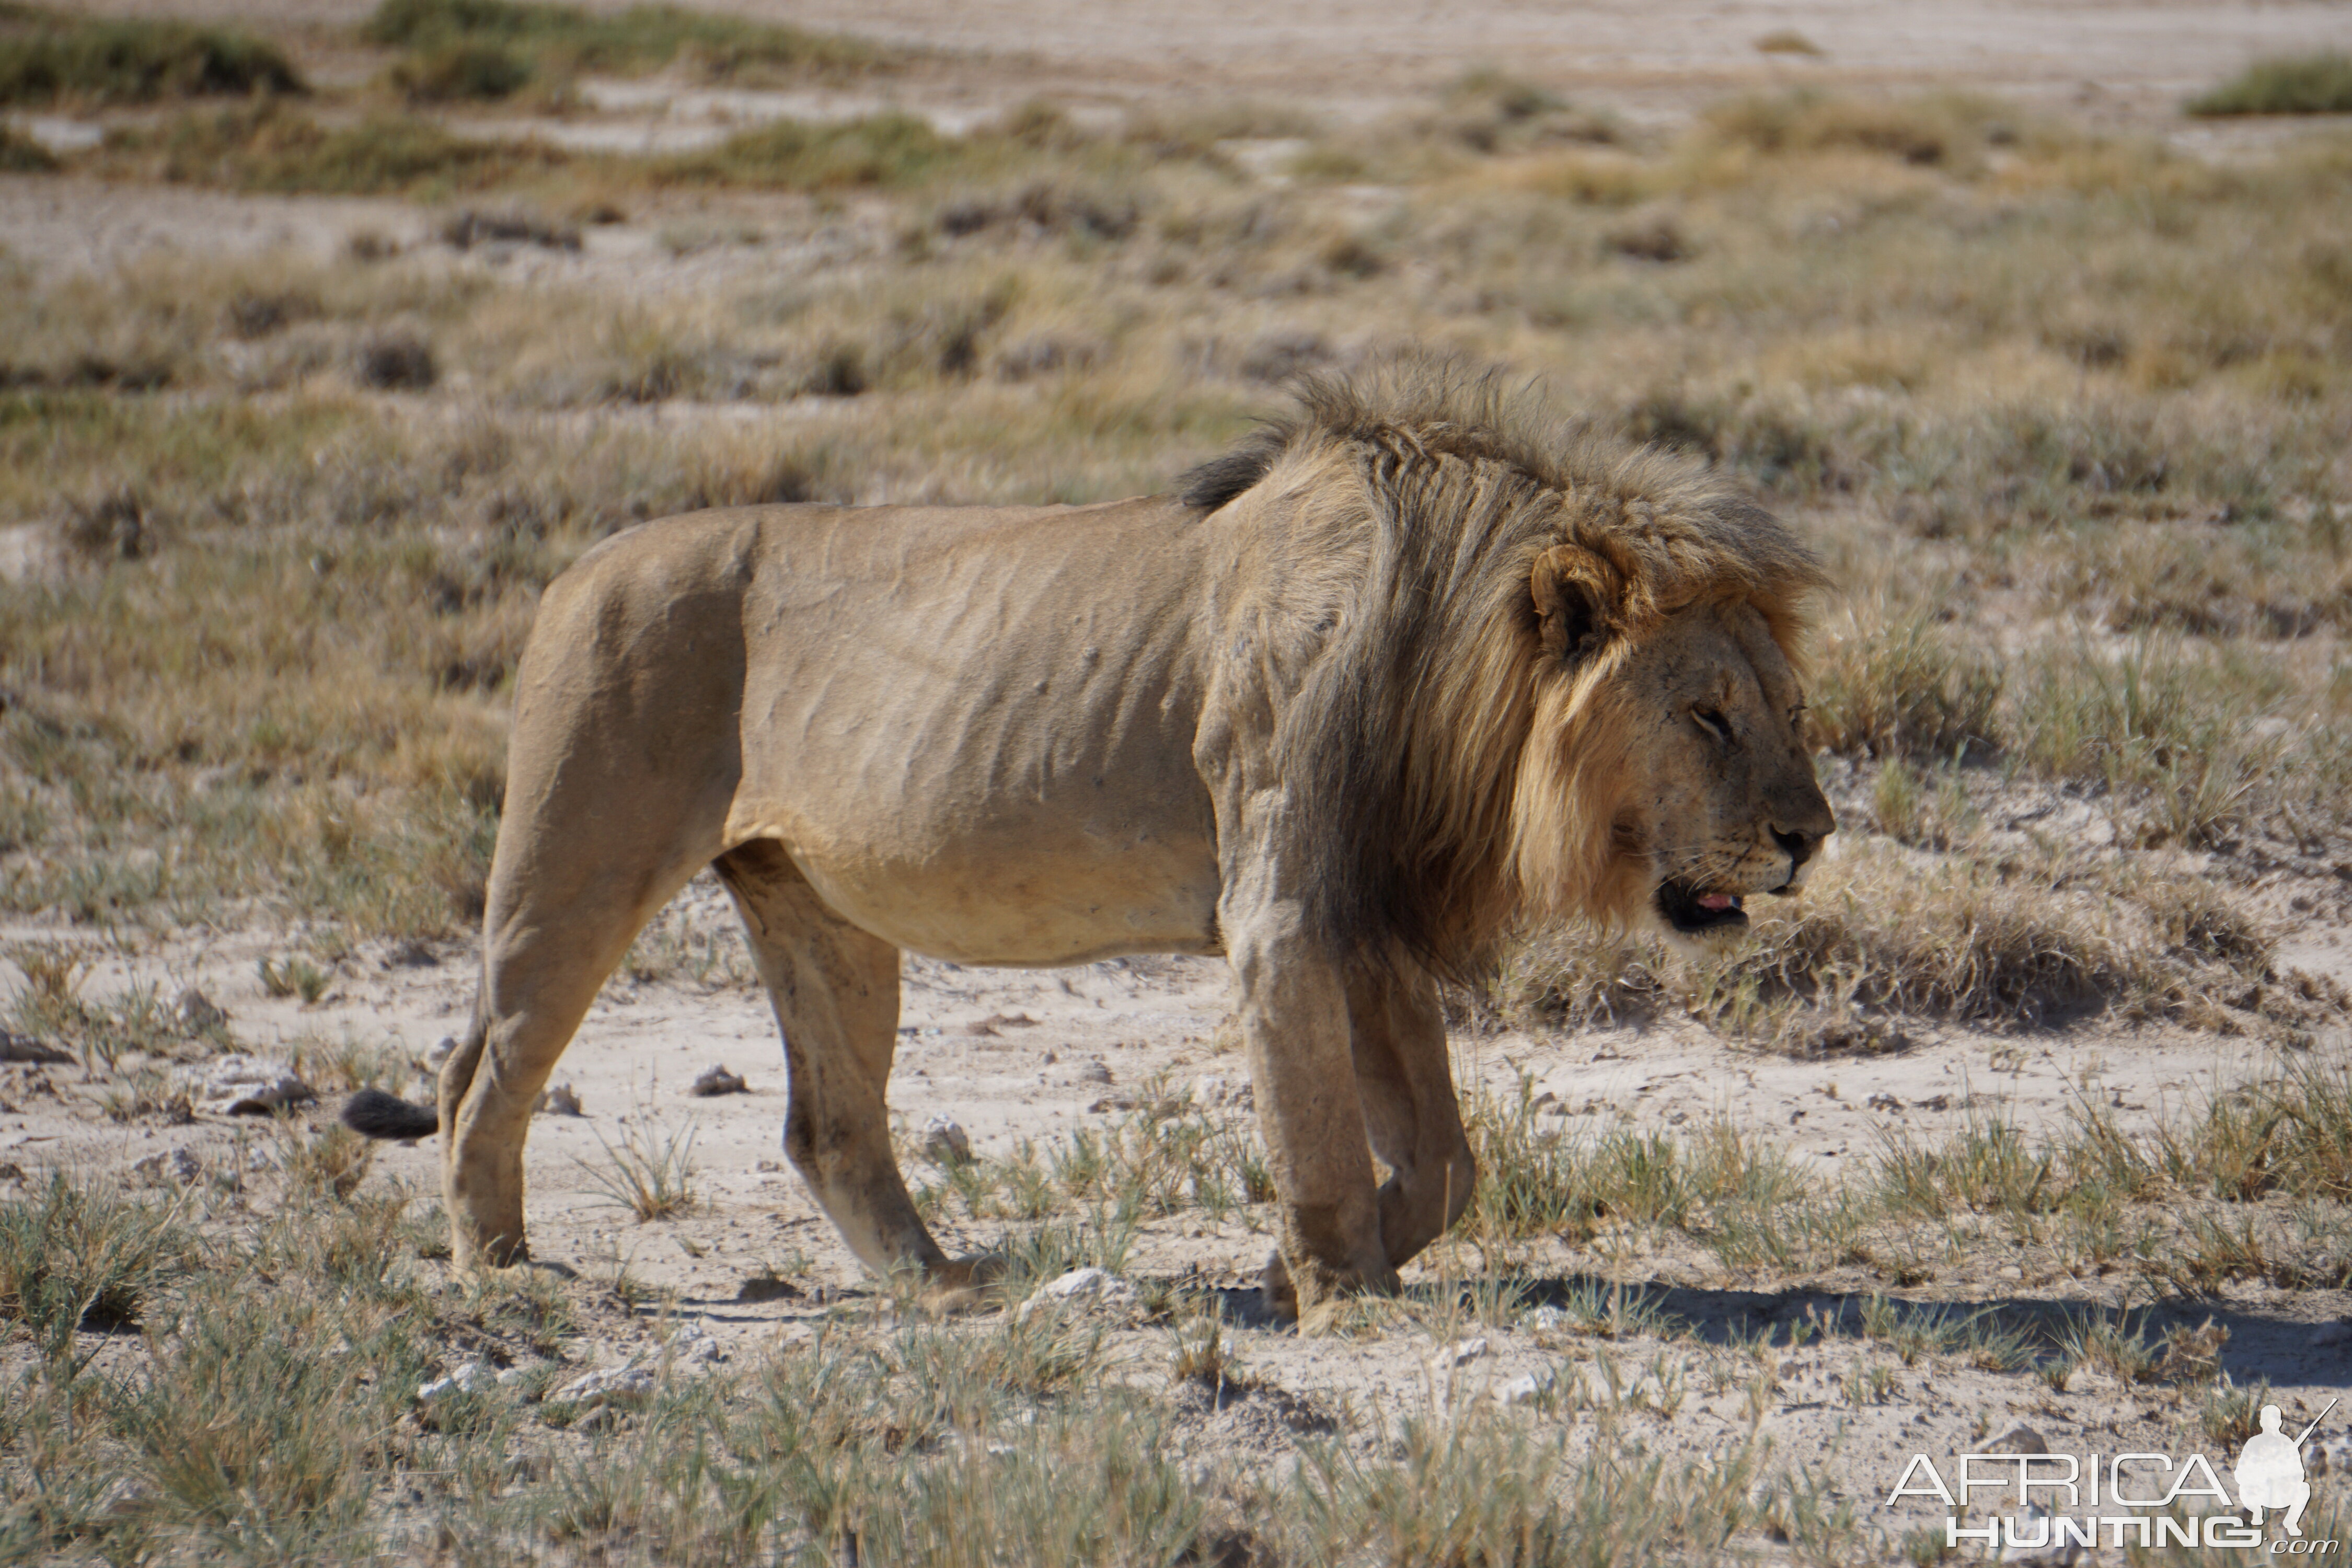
<point>1572,588</point>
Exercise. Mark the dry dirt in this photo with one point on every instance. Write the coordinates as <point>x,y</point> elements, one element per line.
<point>1014,1055</point>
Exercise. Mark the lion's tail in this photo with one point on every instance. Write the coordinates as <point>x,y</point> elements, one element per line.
<point>371,1114</point>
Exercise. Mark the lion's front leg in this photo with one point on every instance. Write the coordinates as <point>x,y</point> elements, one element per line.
<point>1293,1020</point>
<point>1415,1121</point>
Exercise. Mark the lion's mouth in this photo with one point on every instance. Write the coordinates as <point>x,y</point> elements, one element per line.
<point>1687,909</point>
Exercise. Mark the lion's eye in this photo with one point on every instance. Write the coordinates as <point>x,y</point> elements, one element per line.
<point>1712,721</point>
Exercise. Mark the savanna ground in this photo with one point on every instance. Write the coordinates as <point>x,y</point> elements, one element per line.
<point>332,333</point>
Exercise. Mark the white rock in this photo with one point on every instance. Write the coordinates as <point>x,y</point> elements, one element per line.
<point>473,1377</point>
<point>242,1085</point>
<point>945,1141</point>
<point>172,1165</point>
<point>1089,1286</point>
<point>1459,1353</point>
<point>620,1385</point>
<point>1524,1389</point>
<point>560,1100</point>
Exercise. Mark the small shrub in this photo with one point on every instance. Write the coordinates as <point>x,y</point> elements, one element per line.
<point>2286,84</point>
<point>45,56</point>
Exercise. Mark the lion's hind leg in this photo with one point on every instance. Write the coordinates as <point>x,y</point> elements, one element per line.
<point>834,988</point>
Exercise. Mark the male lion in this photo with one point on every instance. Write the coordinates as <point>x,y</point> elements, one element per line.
<point>1403,670</point>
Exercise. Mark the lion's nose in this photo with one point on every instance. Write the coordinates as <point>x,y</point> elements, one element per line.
<point>1801,847</point>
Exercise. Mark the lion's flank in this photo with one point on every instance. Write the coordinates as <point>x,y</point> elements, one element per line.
<point>1454,776</point>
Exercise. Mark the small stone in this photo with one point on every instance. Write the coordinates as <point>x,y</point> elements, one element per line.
<point>559,1100</point>
<point>24,1048</point>
<point>197,1014</point>
<point>242,1085</point>
<point>125,1498</point>
<point>718,1080</point>
<point>2017,1440</point>
<point>767,1288</point>
<point>473,1377</point>
<point>1524,1389</point>
<point>620,1385</point>
<point>945,1142</point>
<point>1089,1286</point>
<point>180,1165</point>
<point>2335,1334</point>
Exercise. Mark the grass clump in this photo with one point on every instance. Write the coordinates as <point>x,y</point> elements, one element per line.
<point>46,57</point>
<point>76,1255</point>
<point>1907,689</point>
<point>265,147</point>
<point>2319,83</point>
<point>650,1171</point>
<point>510,42</point>
<point>889,151</point>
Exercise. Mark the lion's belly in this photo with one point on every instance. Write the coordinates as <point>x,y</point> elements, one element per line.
<point>1029,907</point>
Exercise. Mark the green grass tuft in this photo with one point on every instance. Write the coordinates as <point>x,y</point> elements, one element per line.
<point>566,40</point>
<point>2285,84</point>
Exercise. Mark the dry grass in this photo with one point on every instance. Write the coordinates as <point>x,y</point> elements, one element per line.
<point>2286,84</point>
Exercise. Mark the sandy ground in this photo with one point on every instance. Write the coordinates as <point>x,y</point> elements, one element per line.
<point>1014,1055</point>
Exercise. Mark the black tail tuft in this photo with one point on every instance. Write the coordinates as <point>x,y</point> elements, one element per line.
<point>375,1114</point>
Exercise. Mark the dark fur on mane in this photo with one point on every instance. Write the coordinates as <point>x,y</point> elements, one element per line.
<point>1405,738</point>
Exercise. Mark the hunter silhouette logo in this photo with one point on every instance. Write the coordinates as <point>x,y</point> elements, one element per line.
<point>2269,1471</point>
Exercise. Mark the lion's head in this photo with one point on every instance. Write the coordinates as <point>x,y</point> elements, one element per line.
<point>1567,680</point>
<point>1707,790</point>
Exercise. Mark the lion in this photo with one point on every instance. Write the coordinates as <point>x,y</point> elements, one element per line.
<point>1409,669</point>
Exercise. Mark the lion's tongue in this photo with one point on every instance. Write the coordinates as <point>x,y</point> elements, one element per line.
<point>1715,901</point>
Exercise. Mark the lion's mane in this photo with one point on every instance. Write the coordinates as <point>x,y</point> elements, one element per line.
<point>1455,778</point>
